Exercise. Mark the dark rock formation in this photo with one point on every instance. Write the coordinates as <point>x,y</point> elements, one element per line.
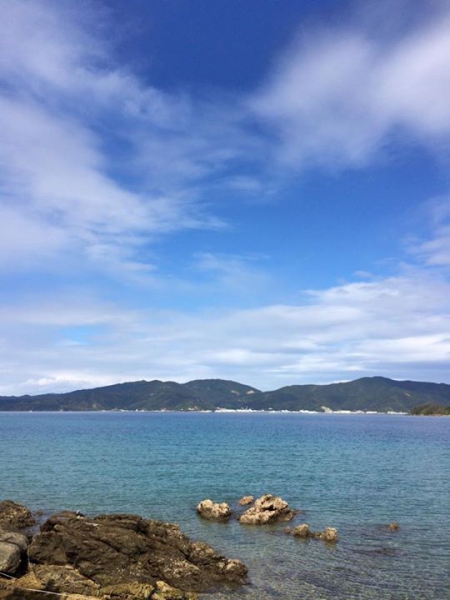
<point>214,511</point>
<point>267,509</point>
<point>80,555</point>
<point>15,516</point>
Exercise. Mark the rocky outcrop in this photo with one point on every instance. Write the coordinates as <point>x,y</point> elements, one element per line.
<point>246,500</point>
<point>213,511</point>
<point>329,535</point>
<point>302,531</point>
<point>77,554</point>
<point>15,516</point>
<point>267,509</point>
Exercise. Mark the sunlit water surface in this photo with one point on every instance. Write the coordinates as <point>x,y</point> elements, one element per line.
<point>354,472</point>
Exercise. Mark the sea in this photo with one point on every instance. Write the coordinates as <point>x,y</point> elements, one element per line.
<point>355,472</point>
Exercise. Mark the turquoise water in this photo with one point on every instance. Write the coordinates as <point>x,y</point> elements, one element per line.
<point>354,472</point>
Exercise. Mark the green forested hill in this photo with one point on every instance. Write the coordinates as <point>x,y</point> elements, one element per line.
<point>369,393</point>
<point>204,394</point>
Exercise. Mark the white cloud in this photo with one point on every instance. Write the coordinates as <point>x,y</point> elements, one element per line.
<point>335,100</point>
<point>434,250</point>
<point>59,172</point>
<point>398,327</point>
<point>343,93</point>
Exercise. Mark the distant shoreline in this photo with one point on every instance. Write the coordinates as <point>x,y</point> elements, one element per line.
<point>216,411</point>
<point>367,395</point>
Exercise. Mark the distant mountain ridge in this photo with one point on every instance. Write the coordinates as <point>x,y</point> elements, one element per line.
<point>366,394</point>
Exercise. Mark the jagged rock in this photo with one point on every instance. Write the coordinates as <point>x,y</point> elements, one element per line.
<point>267,509</point>
<point>330,535</point>
<point>213,511</point>
<point>112,550</point>
<point>246,500</point>
<point>10,558</point>
<point>15,516</point>
<point>302,531</point>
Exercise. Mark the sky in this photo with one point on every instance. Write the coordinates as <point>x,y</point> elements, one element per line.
<point>251,190</point>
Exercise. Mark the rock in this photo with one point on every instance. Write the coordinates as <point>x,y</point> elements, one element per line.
<point>246,500</point>
<point>167,592</point>
<point>267,509</point>
<point>13,547</point>
<point>214,511</point>
<point>56,578</point>
<point>15,516</point>
<point>18,539</point>
<point>128,591</point>
<point>330,535</point>
<point>77,554</point>
<point>302,531</point>
<point>394,526</point>
<point>10,558</point>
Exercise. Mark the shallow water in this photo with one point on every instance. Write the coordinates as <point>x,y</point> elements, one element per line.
<point>354,472</point>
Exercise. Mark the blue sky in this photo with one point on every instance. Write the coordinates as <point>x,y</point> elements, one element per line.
<point>255,190</point>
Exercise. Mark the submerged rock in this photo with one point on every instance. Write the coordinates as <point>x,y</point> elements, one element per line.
<point>77,554</point>
<point>267,509</point>
<point>213,511</point>
<point>15,516</point>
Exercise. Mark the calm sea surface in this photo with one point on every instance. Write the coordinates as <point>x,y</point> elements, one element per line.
<point>354,472</point>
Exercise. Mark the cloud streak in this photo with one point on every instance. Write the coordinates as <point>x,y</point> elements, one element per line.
<point>96,166</point>
<point>61,94</point>
<point>391,327</point>
<point>342,94</point>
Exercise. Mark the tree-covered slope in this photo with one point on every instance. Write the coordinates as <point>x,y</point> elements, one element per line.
<point>369,393</point>
<point>431,409</point>
<point>138,395</point>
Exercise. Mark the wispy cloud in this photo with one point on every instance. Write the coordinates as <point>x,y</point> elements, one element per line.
<point>66,108</point>
<point>434,250</point>
<point>343,93</point>
<point>397,327</point>
<point>96,165</point>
